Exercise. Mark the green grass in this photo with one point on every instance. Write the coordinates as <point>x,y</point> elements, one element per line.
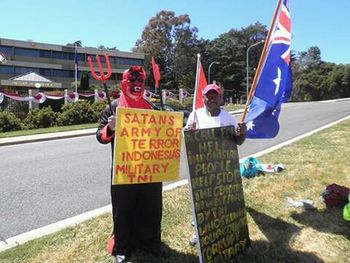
<point>278,232</point>
<point>233,107</point>
<point>47,130</point>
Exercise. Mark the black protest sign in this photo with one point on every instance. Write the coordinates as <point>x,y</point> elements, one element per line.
<point>217,193</point>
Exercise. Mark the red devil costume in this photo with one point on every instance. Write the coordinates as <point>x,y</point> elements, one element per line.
<point>137,208</point>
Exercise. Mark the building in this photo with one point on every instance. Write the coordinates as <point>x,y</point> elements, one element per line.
<point>57,64</point>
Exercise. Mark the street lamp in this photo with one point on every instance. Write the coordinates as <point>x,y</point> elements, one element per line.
<point>247,57</point>
<point>211,64</point>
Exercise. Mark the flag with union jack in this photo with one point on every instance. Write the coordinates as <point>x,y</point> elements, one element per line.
<point>274,80</point>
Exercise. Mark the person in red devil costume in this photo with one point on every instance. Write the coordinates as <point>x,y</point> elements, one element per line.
<point>136,208</point>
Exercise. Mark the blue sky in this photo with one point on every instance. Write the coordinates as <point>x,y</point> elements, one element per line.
<point>321,23</point>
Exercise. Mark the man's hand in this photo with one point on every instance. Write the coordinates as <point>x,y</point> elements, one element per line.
<point>192,126</point>
<point>241,129</point>
<point>111,122</point>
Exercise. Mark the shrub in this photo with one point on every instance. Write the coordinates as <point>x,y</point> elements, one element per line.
<point>77,113</point>
<point>188,103</point>
<point>175,104</point>
<point>9,122</point>
<point>98,107</point>
<point>40,118</point>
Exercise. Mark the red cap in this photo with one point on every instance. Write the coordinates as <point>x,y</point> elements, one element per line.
<point>212,87</point>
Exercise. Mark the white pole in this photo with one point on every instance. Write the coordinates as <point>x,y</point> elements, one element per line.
<point>96,95</point>
<point>211,64</point>
<point>30,93</point>
<point>247,66</point>
<point>181,95</point>
<point>76,68</point>
<point>65,96</point>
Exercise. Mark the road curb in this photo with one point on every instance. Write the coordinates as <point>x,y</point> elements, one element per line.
<point>56,135</point>
<point>46,137</point>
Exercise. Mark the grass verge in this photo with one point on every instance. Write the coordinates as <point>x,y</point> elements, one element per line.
<point>279,233</point>
<point>233,107</point>
<point>48,130</point>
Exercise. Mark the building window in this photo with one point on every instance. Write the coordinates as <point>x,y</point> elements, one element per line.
<point>81,57</point>
<point>45,53</point>
<point>62,55</point>
<point>45,72</point>
<point>129,61</point>
<point>7,70</point>
<point>23,70</point>
<point>26,52</point>
<point>8,51</point>
<point>113,60</point>
<point>62,73</point>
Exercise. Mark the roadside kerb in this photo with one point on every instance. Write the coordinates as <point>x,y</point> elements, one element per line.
<point>46,136</point>
<point>55,135</point>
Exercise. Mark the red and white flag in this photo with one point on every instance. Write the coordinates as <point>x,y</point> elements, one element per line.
<point>200,84</point>
<point>156,73</point>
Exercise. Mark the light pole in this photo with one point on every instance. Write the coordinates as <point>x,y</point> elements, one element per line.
<point>247,57</point>
<point>211,64</point>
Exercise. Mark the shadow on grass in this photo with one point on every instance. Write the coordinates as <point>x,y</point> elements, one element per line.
<point>279,233</point>
<point>329,220</point>
<point>174,256</point>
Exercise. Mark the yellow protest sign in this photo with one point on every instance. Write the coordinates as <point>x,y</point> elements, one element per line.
<point>147,146</point>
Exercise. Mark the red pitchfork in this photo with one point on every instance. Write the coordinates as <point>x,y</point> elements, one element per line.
<point>102,76</point>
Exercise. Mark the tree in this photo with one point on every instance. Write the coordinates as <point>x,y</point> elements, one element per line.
<point>77,43</point>
<point>311,58</point>
<point>230,50</point>
<point>84,81</point>
<point>173,42</point>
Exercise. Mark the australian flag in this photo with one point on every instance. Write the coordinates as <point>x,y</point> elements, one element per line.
<point>274,81</point>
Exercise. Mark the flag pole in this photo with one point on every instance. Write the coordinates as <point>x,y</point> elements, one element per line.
<point>160,96</point>
<point>197,81</point>
<point>262,58</point>
<point>76,68</point>
<point>196,89</point>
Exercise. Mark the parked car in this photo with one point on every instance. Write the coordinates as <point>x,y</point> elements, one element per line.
<point>168,107</point>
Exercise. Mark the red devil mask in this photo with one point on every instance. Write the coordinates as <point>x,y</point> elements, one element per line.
<point>133,82</point>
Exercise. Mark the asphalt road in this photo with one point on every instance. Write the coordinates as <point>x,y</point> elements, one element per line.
<point>45,182</point>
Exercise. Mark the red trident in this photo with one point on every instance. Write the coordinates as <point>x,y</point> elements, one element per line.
<point>102,76</point>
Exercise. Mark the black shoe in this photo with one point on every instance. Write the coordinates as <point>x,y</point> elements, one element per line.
<point>121,259</point>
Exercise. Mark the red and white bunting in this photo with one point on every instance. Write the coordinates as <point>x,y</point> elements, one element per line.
<point>54,97</point>
<point>86,95</point>
<point>101,95</point>
<point>39,97</point>
<point>18,97</point>
<point>73,97</point>
<point>147,94</point>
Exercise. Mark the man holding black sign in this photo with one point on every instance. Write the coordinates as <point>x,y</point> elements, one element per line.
<point>211,138</point>
<point>212,116</point>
